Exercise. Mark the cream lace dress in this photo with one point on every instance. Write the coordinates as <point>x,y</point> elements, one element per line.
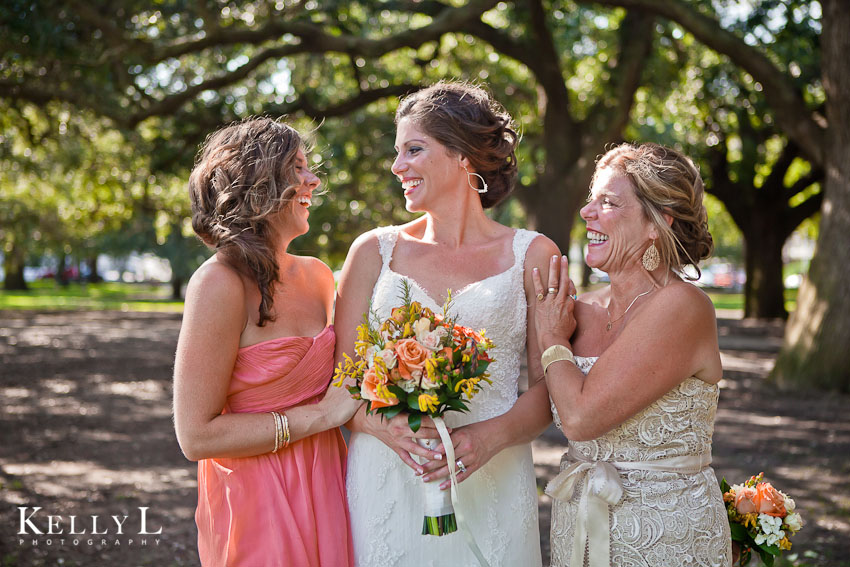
<point>663,518</point>
<point>500,499</point>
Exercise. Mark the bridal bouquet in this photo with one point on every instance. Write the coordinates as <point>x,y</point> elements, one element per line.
<point>422,363</point>
<point>761,518</point>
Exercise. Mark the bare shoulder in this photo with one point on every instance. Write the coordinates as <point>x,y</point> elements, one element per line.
<point>216,280</point>
<point>683,298</point>
<point>540,251</point>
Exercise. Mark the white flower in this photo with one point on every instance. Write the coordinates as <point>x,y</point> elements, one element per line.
<point>388,355</point>
<point>790,505</point>
<point>794,522</point>
<point>370,356</point>
<point>441,331</point>
<point>421,327</point>
<point>430,340</point>
<point>770,524</point>
<point>407,385</point>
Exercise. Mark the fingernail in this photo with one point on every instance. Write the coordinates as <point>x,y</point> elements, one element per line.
<point>438,456</point>
<point>444,486</point>
<point>535,270</point>
<point>425,479</point>
<point>419,472</point>
<point>554,258</point>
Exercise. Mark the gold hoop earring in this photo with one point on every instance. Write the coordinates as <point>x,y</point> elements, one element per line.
<point>469,175</point>
<point>651,258</point>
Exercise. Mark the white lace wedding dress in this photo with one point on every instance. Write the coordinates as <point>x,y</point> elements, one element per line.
<point>500,499</point>
<point>664,518</point>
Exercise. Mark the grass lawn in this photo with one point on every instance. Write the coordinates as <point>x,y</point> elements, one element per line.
<point>152,297</point>
<point>102,296</point>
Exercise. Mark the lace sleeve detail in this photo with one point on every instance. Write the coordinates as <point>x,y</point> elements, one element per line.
<point>387,236</point>
<point>522,241</point>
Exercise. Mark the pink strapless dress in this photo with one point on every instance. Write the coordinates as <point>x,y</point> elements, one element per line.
<point>278,509</point>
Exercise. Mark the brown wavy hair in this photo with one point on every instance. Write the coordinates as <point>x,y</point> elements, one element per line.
<point>667,182</point>
<point>244,174</point>
<point>466,120</point>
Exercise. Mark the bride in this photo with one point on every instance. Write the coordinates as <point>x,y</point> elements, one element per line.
<point>455,157</point>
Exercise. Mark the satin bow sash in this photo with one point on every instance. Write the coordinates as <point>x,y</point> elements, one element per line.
<point>603,488</point>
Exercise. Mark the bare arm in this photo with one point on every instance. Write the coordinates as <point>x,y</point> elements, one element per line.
<point>672,337</point>
<point>357,280</point>
<point>213,320</point>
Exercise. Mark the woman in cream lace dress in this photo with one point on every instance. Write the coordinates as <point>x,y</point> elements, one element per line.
<point>638,400</point>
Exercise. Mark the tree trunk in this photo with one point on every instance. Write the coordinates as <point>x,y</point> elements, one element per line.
<point>816,353</point>
<point>764,291</point>
<point>94,275</point>
<point>61,276</point>
<point>13,267</point>
<point>176,288</point>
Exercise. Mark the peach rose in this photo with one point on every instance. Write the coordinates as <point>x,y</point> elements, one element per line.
<point>770,501</point>
<point>411,358</point>
<point>746,500</point>
<point>369,391</point>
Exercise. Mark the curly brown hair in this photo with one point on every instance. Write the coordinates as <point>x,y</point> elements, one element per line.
<point>667,182</point>
<point>244,174</point>
<point>466,120</point>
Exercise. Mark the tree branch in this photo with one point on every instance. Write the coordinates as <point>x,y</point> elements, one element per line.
<point>803,211</point>
<point>779,89</point>
<point>635,44</point>
<point>363,98</point>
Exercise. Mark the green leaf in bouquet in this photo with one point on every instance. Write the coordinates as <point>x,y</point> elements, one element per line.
<point>413,401</point>
<point>397,390</point>
<point>765,556</point>
<point>741,535</point>
<point>481,369</point>
<point>391,411</point>
<point>354,391</point>
<point>771,549</point>
<point>456,404</point>
<point>724,486</point>
<point>414,420</point>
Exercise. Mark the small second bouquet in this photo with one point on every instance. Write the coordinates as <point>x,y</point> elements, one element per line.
<point>761,518</point>
<point>422,363</point>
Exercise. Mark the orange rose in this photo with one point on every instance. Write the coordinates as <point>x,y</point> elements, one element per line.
<point>411,358</point>
<point>746,500</point>
<point>369,390</point>
<point>770,501</point>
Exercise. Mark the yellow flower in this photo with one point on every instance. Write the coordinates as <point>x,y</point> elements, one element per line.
<point>408,331</point>
<point>428,402</point>
<point>784,543</point>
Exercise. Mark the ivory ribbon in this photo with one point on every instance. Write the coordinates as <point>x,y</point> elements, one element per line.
<point>603,488</point>
<point>461,521</point>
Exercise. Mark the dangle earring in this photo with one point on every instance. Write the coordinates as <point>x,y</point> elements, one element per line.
<point>651,258</point>
<point>469,175</point>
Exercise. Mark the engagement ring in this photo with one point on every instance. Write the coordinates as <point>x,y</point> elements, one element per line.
<point>460,465</point>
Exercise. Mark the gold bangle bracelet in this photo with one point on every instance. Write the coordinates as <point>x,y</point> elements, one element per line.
<point>554,354</point>
<point>277,431</point>
<point>285,431</point>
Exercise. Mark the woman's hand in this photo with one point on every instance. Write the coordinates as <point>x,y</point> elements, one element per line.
<point>396,434</point>
<point>472,448</point>
<point>554,317</point>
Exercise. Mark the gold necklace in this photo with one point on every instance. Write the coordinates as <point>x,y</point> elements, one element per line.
<point>610,322</point>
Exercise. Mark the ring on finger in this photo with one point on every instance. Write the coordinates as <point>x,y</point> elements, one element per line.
<point>460,466</point>
<point>553,290</point>
<point>539,297</point>
<point>574,296</point>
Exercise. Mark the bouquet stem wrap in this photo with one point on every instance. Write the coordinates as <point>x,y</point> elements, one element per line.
<point>453,492</point>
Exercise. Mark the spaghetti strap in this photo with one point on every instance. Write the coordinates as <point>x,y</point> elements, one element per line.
<point>387,237</point>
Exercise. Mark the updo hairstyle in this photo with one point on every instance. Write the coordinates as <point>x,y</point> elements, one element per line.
<point>244,174</point>
<point>467,121</point>
<point>667,182</point>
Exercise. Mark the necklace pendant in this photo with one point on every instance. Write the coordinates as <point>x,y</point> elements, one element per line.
<point>608,326</point>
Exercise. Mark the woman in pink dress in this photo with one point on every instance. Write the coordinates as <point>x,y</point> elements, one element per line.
<point>254,360</point>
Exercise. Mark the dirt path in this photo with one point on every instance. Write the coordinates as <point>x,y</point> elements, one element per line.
<point>85,429</point>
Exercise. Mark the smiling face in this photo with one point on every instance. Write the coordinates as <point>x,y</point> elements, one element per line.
<point>296,212</point>
<point>426,169</point>
<point>617,228</point>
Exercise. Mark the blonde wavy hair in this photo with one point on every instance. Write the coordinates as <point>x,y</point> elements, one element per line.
<point>667,182</point>
<point>244,174</point>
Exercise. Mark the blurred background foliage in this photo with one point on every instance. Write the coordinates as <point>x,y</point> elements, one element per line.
<point>103,105</point>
